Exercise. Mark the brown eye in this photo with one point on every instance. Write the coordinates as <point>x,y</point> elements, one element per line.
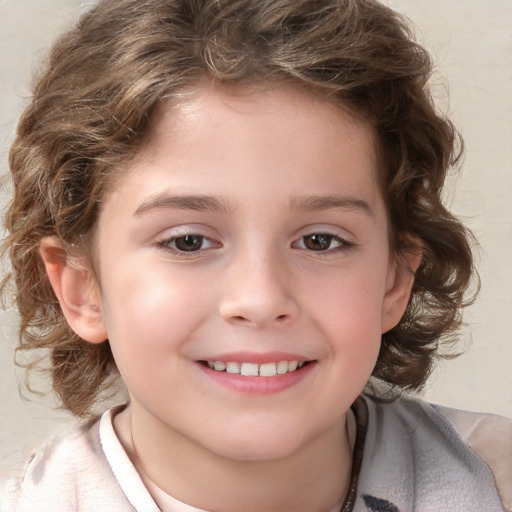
<point>319,242</point>
<point>189,243</point>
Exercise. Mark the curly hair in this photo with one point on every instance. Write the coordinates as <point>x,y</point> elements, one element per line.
<point>93,106</point>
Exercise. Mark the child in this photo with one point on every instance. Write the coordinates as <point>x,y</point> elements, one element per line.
<point>234,206</point>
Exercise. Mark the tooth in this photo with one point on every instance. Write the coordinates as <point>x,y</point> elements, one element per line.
<point>282,367</point>
<point>268,370</point>
<point>253,369</point>
<point>232,367</point>
<point>249,369</point>
<point>292,366</point>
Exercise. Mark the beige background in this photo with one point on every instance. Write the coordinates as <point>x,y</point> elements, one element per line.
<point>471,42</point>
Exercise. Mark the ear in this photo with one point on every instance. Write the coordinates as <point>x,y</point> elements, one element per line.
<point>76,288</point>
<point>399,285</point>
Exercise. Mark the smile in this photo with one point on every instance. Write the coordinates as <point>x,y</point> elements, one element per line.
<point>257,373</point>
<point>256,370</point>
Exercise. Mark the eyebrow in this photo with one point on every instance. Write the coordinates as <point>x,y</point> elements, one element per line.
<point>204,203</point>
<point>184,202</point>
<point>315,203</point>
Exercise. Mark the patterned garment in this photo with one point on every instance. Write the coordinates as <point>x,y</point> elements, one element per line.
<point>407,457</point>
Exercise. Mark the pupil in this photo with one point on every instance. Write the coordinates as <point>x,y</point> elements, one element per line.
<point>318,242</point>
<point>189,243</point>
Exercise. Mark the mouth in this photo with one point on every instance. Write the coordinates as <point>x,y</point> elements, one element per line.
<point>248,369</point>
<point>251,373</point>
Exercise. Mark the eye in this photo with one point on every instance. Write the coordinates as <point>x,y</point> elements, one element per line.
<point>322,242</point>
<point>189,243</point>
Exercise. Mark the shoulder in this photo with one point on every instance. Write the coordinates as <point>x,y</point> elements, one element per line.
<point>70,472</point>
<point>437,455</point>
<point>490,437</point>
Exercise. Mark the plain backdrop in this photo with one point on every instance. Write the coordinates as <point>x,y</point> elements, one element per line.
<point>471,42</point>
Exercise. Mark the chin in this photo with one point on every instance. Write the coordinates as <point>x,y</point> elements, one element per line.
<point>258,445</point>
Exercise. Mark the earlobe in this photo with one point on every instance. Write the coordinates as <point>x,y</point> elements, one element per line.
<point>398,291</point>
<point>76,288</point>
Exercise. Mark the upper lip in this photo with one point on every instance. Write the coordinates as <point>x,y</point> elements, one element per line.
<point>257,358</point>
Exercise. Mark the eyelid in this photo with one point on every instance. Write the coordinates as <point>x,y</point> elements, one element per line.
<point>165,241</point>
<point>341,242</point>
<point>345,242</point>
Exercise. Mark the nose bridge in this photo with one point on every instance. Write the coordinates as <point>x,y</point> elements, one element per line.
<point>258,290</point>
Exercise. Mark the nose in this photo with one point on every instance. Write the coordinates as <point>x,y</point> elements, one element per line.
<point>259,292</point>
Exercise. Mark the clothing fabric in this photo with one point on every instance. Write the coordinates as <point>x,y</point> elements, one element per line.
<point>407,456</point>
<point>414,459</point>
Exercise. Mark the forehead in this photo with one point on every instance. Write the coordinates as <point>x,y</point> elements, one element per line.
<point>273,114</point>
<point>224,140</point>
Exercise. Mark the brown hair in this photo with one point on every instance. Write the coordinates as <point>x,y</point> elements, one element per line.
<point>94,103</point>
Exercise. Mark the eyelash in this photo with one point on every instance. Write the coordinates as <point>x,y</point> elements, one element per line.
<point>169,244</point>
<point>341,243</point>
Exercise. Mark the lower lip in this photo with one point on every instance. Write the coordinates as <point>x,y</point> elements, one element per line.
<point>258,385</point>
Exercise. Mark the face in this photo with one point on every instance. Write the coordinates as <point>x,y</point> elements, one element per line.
<point>245,272</point>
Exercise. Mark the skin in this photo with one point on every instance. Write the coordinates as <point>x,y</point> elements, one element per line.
<point>282,166</point>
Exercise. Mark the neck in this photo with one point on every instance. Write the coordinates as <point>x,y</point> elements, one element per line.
<point>206,480</point>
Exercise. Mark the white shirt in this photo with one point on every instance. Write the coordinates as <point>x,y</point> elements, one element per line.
<point>407,456</point>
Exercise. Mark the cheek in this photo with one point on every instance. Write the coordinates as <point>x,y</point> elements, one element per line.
<point>348,310</point>
<point>149,317</point>
<point>351,297</point>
